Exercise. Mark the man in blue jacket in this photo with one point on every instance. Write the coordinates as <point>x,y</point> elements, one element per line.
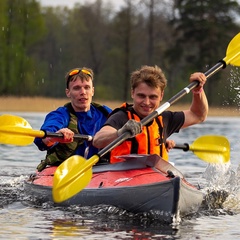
<point>79,116</point>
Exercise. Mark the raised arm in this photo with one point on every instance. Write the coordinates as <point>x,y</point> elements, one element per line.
<point>199,108</point>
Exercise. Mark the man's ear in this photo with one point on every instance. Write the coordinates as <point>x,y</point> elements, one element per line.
<point>67,92</point>
<point>162,94</point>
<point>132,92</point>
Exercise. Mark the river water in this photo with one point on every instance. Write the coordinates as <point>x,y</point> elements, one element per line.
<point>24,219</point>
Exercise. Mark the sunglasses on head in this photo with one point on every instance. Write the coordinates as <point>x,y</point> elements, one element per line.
<point>76,71</point>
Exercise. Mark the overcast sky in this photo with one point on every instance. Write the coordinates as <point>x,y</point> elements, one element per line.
<point>70,3</point>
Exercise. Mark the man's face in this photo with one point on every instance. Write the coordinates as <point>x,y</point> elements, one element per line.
<point>146,99</point>
<point>81,93</point>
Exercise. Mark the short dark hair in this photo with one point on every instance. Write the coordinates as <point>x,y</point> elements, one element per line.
<point>84,74</point>
<point>153,76</point>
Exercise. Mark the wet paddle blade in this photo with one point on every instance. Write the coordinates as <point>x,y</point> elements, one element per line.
<point>6,120</point>
<point>73,175</point>
<point>12,129</point>
<point>212,149</point>
<point>233,52</point>
<point>14,138</point>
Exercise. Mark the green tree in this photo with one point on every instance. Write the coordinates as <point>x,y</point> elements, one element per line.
<point>22,25</point>
<point>119,53</point>
<point>40,44</point>
<point>52,54</point>
<point>203,29</point>
<point>86,31</point>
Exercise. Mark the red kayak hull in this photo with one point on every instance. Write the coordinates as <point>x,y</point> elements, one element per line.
<point>143,183</point>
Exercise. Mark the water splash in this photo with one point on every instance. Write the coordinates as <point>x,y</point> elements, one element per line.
<point>234,85</point>
<point>223,188</point>
<point>11,190</point>
<point>233,200</point>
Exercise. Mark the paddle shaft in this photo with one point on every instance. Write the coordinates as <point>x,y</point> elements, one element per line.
<point>28,132</point>
<point>220,65</point>
<point>76,136</point>
<point>184,147</point>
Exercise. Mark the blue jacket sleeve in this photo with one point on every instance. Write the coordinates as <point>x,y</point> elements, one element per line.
<point>54,121</point>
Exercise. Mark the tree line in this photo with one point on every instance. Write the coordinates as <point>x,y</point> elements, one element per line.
<point>40,44</point>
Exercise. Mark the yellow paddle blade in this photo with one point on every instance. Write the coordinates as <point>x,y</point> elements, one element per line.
<point>17,131</point>
<point>233,52</point>
<point>71,177</point>
<point>8,125</point>
<point>8,137</point>
<point>6,120</point>
<point>212,149</point>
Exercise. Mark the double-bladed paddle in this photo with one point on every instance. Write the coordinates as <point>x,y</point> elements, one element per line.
<point>75,173</point>
<point>17,131</point>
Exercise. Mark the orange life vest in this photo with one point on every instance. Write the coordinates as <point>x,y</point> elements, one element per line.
<point>149,141</point>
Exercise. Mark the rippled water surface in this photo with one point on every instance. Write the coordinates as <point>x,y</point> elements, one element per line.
<point>24,219</point>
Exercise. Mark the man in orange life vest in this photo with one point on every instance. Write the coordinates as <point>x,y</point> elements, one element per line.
<point>147,90</point>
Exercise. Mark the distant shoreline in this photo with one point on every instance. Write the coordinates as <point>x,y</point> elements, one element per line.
<point>43,104</point>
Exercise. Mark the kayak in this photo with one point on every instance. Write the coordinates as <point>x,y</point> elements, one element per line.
<point>138,184</point>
